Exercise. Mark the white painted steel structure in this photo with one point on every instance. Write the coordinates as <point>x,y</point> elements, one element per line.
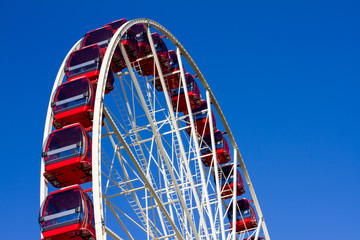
<point>148,178</point>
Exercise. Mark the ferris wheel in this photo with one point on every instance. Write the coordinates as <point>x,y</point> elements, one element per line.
<point>136,145</point>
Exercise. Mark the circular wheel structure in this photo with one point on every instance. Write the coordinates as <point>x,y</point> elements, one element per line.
<point>148,179</point>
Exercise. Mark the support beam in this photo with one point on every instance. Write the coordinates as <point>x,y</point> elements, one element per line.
<point>142,174</point>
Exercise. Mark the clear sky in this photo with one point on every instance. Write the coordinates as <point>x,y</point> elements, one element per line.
<point>286,75</point>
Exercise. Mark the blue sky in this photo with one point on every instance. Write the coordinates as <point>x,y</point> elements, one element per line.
<point>286,75</point>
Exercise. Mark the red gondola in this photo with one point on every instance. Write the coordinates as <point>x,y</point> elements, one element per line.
<point>146,66</point>
<point>245,216</point>
<point>128,39</point>
<point>221,146</point>
<point>102,37</point>
<point>73,102</point>
<point>201,120</point>
<point>172,75</point>
<point>86,62</point>
<point>227,182</point>
<point>178,96</point>
<point>67,214</point>
<point>67,156</point>
<point>116,24</point>
<point>142,39</point>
